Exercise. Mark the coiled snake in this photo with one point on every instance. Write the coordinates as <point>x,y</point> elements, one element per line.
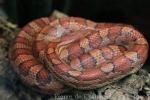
<point>77,52</point>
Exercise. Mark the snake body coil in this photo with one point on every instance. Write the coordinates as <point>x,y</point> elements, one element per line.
<point>77,52</point>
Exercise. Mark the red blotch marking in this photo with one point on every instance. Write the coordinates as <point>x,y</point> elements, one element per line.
<point>42,74</point>
<point>94,40</point>
<point>52,56</point>
<point>107,53</point>
<point>113,33</point>
<point>86,61</point>
<point>62,68</point>
<point>40,45</point>
<point>103,25</point>
<point>25,66</point>
<point>122,64</point>
<point>17,52</point>
<point>22,40</point>
<point>64,21</point>
<point>74,50</point>
<point>80,21</point>
<point>141,50</point>
<point>29,30</point>
<point>91,74</point>
<point>52,44</point>
<point>40,23</point>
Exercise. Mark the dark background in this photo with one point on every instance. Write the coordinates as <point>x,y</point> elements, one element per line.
<point>134,12</point>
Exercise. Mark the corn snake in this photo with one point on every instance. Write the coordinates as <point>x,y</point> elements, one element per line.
<point>77,52</point>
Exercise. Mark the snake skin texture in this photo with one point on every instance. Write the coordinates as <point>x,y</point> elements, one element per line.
<point>76,52</point>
